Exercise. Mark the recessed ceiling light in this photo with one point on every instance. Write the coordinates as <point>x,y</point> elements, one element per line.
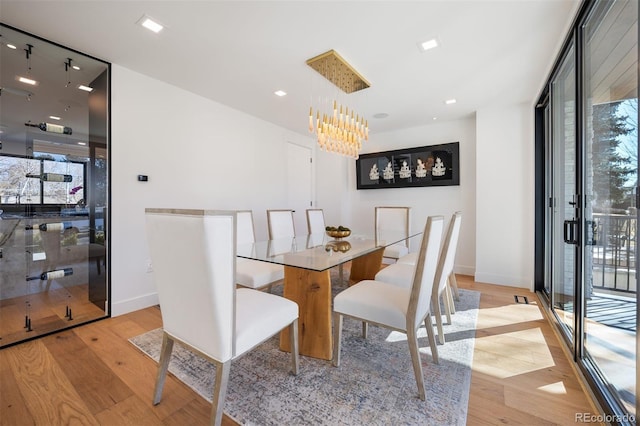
<point>435,118</point>
<point>381,115</point>
<point>27,81</point>
<point>82,143</point>
<point>85,88</point>
<point>280,93</point>
<point>450,101</point>
<point>150,24</point>
<point>11,46</point>
<point>75,67</point>
<point>53,117</point>
<point>428,44</point>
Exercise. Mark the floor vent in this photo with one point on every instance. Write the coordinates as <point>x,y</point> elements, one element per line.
<point>521,299</point>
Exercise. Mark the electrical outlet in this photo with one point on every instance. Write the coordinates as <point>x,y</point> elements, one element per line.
<point>149,266</point>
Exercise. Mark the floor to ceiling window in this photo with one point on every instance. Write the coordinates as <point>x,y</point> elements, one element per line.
<point>54,186</point>
<point>610,108</point>
<point>586,203</point>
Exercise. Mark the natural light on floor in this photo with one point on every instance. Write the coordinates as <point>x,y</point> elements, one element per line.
<point>510,315</point>
<point>517,348</point>
<point>555,388</point>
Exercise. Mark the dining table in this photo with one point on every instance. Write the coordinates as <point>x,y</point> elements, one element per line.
<point>307,261</point>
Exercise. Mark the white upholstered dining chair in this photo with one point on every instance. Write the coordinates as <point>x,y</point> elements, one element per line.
<point>254,273</point>
<point>280,224</point>
<point>396,219</point>
<point>402,309</point>
<point>401,274</point>
<point>411,260</point>
<point>193,253</point>
<point>315,221</point>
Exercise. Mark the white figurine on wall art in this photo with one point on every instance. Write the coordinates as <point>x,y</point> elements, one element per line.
<point>439,168</point>
<point>387,173</point>
<point>374,173</point>
<point>405,171</point>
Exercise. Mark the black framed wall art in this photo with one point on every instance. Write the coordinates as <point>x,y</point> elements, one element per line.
<point>434,165</point>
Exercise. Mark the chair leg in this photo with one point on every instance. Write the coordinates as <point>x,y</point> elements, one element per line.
<point>163,366</point>
<point>293,336</point>
<point>435,302</point>
<point>452,305</point>
<point>445,302</point>
<point>220,392</point>
<point>432,339</point>
<point>454,286</point>
<point>412,339</point>
<point>365,329</point>
<point>337,337</point>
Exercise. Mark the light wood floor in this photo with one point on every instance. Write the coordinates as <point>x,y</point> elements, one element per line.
<point>92,375</point>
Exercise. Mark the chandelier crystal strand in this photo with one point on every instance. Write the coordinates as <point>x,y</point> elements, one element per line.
<point>340,131</point>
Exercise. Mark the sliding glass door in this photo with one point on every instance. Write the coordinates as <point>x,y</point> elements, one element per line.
<point>588,130</point>
<point>611,175</point>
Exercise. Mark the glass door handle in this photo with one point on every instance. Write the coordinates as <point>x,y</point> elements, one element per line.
<point>571,231</point>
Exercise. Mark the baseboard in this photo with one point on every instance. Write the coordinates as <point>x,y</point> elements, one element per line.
<point>133,304</point>
<point>464,270</point>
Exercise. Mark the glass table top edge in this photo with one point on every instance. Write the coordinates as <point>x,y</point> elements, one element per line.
<point>318,252</point>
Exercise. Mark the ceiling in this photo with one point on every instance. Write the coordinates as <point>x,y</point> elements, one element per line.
<point>239,53</point>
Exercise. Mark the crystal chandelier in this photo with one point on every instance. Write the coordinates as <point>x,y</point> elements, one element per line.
<point>338,129</point>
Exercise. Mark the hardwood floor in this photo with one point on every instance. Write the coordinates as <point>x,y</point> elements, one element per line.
<point>93,375</point>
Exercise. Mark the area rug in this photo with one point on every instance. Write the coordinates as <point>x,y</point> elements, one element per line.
<point>374,384</point>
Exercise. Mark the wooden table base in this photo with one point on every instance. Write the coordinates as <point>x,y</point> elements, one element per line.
<point>366,267</point>
<point>311,290</point>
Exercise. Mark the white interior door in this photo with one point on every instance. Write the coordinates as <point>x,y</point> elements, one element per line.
<point>299,184</point>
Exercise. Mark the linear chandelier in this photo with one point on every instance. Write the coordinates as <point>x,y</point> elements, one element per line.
<point>339,130</point>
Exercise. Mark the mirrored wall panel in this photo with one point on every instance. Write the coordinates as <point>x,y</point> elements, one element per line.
<point>54,187</point>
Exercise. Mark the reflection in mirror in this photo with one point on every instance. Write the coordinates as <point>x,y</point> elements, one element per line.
<point>54,187</point>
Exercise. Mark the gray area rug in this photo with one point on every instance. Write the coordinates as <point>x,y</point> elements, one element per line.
<point>374,384</point>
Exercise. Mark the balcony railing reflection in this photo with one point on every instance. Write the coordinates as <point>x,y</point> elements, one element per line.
<point>612,240</point>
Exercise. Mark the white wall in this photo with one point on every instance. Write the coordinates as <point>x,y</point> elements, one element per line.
<point>201,154</point>
<point>337,186</point>
<point>505,195</point>
<point>197,154</point>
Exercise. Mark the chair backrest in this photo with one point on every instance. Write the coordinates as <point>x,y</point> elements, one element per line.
<point>280,246</point>
<point>315,221</point>
<point>425,272</point>
<point>280,223</point>
<point>193,255</point>
<point>396,219</point>
<point>448,253</point>
<point>245,233</point>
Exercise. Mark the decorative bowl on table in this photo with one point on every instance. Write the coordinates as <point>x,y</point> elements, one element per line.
<point>338,232</point>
